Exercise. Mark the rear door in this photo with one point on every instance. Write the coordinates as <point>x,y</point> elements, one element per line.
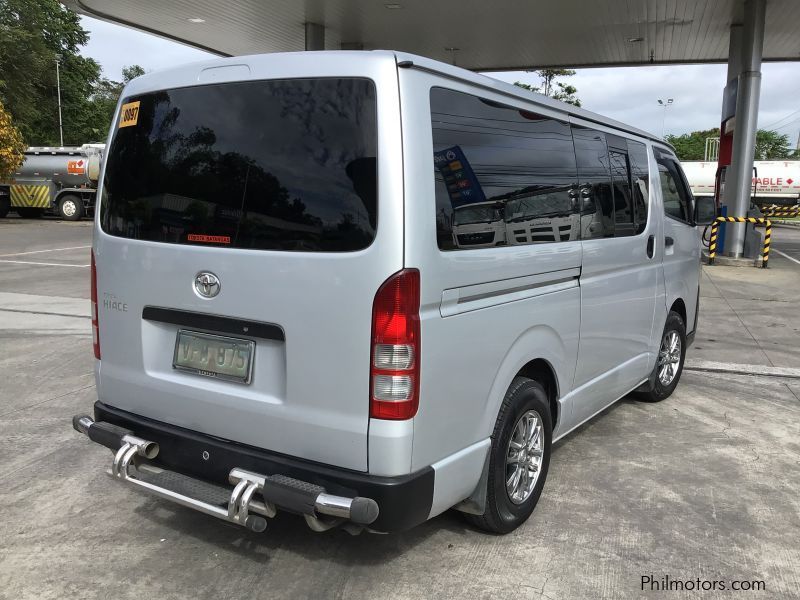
<point>280,192</point>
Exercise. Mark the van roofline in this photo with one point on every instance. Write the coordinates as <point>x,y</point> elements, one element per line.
<point>439,68</point>
<point>158,80</point>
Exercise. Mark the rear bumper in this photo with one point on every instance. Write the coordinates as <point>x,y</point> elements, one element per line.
<point>403,501</point>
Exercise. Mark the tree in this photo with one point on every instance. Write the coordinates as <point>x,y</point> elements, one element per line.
<point>103,101</point>
<point>552,88</point>
<point>34,34</point>
<point>131,72</point>
<point>11,146</point>
<point>692,146</point>
<point>770,145</point>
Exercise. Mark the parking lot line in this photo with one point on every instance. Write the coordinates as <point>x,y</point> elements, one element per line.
<point>784,255</point>
<point>39,251</point>
<point>44,264</point>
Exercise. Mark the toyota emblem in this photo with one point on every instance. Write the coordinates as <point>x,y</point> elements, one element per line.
<point>206,285</point>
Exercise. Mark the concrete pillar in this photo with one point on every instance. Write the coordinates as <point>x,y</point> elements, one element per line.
<point>739,176</point>
<point>315,36</point>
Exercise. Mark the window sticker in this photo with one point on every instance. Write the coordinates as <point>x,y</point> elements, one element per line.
<point>129,114</point>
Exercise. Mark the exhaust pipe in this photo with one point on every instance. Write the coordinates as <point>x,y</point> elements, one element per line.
<point>308,499</point>
<point>113,437</point>
<point>321,509</point>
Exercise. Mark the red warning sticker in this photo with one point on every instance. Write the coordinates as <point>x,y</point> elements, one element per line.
<point>76,167</point>
<point>209,239</point>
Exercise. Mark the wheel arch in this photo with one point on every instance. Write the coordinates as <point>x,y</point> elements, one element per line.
<point>80,193</point>
<point>679,306</point>
<point>539,353</point>
<point>541,371</point>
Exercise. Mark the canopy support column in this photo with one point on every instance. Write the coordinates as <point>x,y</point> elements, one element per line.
<point>739,177</point>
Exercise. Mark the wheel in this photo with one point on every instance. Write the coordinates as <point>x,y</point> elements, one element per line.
<point>519,457</point>
<point>5,206</point>
<point>669,364</point>
<point>70,208</point>
<point>27,212</point>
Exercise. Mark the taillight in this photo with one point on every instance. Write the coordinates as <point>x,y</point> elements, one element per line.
<point>95,326</point>
<point>395,351</point>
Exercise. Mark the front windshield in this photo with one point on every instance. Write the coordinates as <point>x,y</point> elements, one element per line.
<point>541,205</point>
<point>476,214</point>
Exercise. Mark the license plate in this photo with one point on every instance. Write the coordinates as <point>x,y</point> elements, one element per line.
<point>214,355</point>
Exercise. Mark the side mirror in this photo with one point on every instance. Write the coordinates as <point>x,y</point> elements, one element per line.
<point>705,210</point>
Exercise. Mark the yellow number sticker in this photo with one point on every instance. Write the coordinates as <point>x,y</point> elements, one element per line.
<point>129,114</point>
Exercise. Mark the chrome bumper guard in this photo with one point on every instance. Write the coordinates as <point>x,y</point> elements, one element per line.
<point>249,503</point>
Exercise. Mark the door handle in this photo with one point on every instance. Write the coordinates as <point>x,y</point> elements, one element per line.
<point>668,242</point>
<point>651,246</point>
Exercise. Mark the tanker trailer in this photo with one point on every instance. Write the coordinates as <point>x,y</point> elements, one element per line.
<point>58,180</point>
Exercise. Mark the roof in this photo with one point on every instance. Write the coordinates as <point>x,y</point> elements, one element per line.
<point>347,63</point>
<point>508,89</point>
<point>475,34</point>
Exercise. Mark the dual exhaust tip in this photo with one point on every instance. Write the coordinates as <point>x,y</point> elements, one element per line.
<point>113,437</point>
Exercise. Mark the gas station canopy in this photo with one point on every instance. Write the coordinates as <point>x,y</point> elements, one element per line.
<point>475,34</point>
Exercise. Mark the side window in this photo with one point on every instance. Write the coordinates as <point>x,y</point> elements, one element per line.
<point>597,197</point>
<point>503,176</point>
<point>640,177</point>
<point>677,199</point>
<point>623,199</point>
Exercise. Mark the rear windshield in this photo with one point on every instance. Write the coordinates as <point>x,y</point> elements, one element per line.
<point>271,165</point>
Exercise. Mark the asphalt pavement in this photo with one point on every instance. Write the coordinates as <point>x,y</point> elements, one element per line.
<point>704,486</point>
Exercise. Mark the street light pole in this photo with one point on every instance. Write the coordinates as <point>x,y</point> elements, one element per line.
<point>665,104</point>
<point>58,86</point>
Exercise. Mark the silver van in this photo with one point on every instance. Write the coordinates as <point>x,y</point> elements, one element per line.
<point>284,321</point>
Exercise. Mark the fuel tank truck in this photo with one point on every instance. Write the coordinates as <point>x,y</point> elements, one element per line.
<point>62,181</point>
<point>774,181</point>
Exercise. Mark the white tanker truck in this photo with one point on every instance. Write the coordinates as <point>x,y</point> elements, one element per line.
<point>58,180</point>
<point>774,181</point>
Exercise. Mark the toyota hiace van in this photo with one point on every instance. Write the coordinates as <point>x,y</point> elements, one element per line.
<point>284,319</point>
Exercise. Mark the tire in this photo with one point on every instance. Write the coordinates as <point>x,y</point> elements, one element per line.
<point>5,206</point>
<point>524,398</point>
<point>70,208</point>
<point>657,389</point>
<point>27,212</point>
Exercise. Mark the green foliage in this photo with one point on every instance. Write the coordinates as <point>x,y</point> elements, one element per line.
<point>131,72</point>
<point>34,34</point>
<point>770,145</point>
<point>553,88</point>
<point>11,145</point>
<point>691,146</point>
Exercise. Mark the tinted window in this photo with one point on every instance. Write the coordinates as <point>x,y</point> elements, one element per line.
<point>677,199</point>
<point>503,175</point>
<point>278,165</point>
<point>597,199</point>
<point>637,156</point>
<point>623,199</point>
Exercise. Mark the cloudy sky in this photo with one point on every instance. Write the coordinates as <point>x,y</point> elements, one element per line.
<point>627,94</point>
